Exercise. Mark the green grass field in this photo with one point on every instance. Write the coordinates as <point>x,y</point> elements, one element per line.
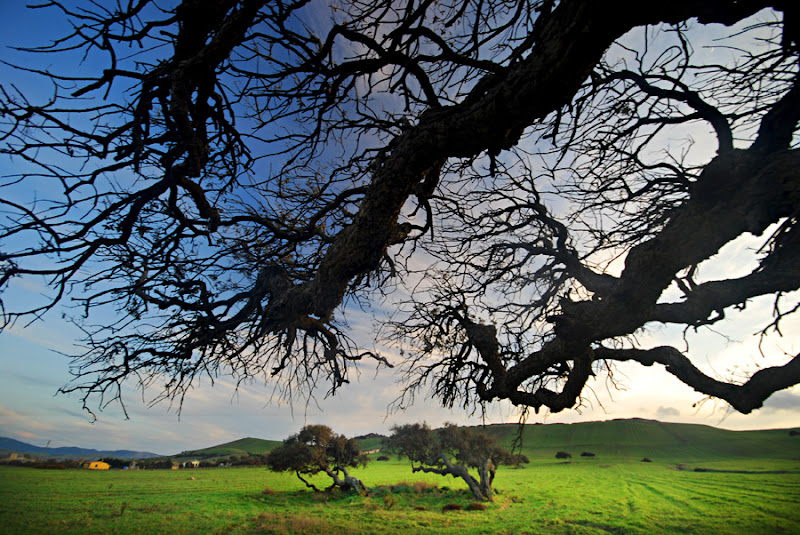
<point>613,493</point>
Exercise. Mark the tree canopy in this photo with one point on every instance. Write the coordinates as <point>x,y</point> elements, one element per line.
<point>453,451</point>
<point>315,449</point>
<point>220,180</point>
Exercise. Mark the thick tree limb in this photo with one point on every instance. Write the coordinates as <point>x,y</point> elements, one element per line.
<point>570,42</point>
<point>744,397</point>
<point>245,271</point>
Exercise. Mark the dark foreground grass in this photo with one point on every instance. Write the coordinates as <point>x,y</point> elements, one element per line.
<point>598,496</point>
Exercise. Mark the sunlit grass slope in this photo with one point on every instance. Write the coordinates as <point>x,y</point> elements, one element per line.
<point>371,443</point>
<point>258,446</point>
<point>659,441</point>
<point>254,446</point>
<point>616,439</point>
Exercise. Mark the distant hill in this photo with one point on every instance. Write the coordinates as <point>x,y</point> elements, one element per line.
<point>243,446</point>
<point>371,441</point>
<point>632,438</point>
<point>10,445</point>
<point>615,438</point>
<point>650,438</point>
<point>259,446</point>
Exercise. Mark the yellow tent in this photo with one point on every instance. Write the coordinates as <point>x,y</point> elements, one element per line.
<point>99,465</point>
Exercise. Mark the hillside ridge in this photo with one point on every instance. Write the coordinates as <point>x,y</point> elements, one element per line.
<point>623,437</point>
<point>629,437</point>
<point>12,445</point>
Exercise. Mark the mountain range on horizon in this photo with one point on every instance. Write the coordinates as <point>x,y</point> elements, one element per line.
<point>11,445</point>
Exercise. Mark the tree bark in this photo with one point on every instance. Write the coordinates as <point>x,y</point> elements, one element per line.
<point>348,484</point>
<point>481,489</point>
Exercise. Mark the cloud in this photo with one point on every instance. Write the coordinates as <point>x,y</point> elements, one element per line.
<point>23,426</point>
<point>667,412</point>
<point>785,400</point>
<point>28,436</point>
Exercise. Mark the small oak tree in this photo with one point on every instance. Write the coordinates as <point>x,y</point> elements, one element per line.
<point>315,449</point>
<point>452,450</point>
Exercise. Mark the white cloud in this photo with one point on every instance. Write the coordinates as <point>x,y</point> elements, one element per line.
<point>785,400</point>
<point>667,412</point>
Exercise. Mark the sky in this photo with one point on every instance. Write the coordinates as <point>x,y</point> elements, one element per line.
<point>33,366</point>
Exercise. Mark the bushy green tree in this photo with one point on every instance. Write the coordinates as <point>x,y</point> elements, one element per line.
<point>451,451</point>
<point>315,449</point>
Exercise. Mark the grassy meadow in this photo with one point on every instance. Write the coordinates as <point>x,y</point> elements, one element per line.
<point>755,489</point>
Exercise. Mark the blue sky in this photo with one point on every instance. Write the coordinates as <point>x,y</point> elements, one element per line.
<point>33,367</point>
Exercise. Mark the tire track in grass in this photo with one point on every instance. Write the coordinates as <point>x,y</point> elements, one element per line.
<point>664,491</point>
<point>754,494</point>
<point>614,530</point>
<point>657,509</point>
<point>755,509</point>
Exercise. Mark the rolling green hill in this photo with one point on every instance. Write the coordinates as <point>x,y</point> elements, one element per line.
<point>258,446</point>
<point>614,439</point>
<point>370,442</point>
<point>243,446</point>
<point>649,438</point>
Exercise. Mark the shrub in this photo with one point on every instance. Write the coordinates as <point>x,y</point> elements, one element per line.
<point>424,486</point>
<point>475,506</point>
<point>400,488</point>
<point>383,458</point>
<point>587,454</point>
<point>276,523</point>
<point>452,507</point>
<point>333,494</point>
<point>647,460</point>
<point>515,459</point>
<point>794,433</point>
<point>563,455</point>
<point>52,465</point>
<point>389,501</point>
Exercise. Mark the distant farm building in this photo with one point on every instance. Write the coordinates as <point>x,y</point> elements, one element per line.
<point>98,465</point>
<point>370,452</point>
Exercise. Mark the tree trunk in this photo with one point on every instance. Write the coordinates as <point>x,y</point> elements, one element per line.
<point>481,490</point>
<point>348,484</point>
<point>353,483</point>
<point>486,474</point>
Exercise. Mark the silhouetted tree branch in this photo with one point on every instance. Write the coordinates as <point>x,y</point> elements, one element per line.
<point>237,171</point>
